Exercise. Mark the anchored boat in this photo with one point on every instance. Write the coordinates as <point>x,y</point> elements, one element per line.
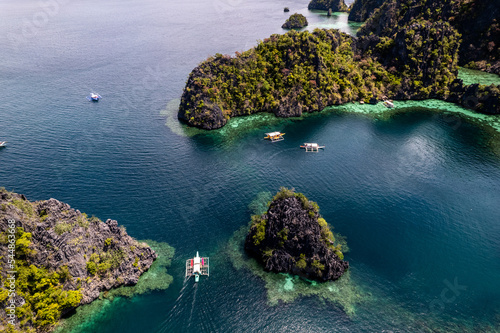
<point>197,266</point>
<point>388,104</point>
<point>274,136</point>
<point>312,147</point>
<point>3,143</point>
<point>94,97</point>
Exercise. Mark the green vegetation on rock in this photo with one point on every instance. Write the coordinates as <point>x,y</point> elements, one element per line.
<point>287,75</point>
<point>259,224</point>
<point>291,237</point>
<point>62,259</point>
<point>286,288</point>
<point>361,10</point>
<point>295,21</point>
<point>476,21</point>
<point>407,50</point>
<point>334,5</point>
<point>43,292</point>
<point>156,278</point>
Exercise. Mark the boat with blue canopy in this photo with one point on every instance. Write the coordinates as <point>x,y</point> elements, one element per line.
<point>93,97</point>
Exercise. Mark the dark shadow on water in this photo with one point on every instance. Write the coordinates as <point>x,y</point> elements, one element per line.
<point>68,314</point>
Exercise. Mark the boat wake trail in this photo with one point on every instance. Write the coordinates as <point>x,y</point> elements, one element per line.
<point>176,310</point>
<point>204,320</point>
<point>199,317</point>
<point>192,304</point>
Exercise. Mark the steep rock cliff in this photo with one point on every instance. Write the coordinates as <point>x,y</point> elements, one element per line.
<point>361,10</point>
<point>292,237</point>
<point>476,21</point>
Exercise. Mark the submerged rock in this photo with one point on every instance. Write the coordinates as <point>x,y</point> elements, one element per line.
<point>291,237</point>
<point>64,257</point>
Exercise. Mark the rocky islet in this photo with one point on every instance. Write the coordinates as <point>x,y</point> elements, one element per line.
<point>292,237</point>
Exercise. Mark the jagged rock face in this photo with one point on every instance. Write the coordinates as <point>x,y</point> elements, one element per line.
<point>426,53</point>
<point>210,115</point>
<point>334,5</point>
<point>62,236</point>
<point>361,10</point>
<point>303,238</point>
<point>476,21</point>
<point>480,29</point>
<point>423,53</point>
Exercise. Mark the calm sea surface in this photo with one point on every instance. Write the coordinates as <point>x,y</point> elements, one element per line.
<point>417,196</point>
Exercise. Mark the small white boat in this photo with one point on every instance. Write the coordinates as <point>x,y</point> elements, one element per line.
<point>197,266</point>
<point>388,104</point>
<point>94,97</point>
<point>312,147</point>
<point>274,136</point>
<point>3,143</point>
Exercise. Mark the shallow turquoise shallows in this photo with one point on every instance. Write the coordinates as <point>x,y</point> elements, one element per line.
<point>416,194</point>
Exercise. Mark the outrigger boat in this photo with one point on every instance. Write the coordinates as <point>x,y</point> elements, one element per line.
<point>197,266</point>
<point>94,97</point>
<point>275,136</point>
<point>312,147</point>
<point>3,143</point>
<point>388,104</point>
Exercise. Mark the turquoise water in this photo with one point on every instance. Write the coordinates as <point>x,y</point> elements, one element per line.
<point>471,76</point>
<point>415,194</point>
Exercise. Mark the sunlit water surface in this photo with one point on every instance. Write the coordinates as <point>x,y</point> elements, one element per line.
<point>416,195</point>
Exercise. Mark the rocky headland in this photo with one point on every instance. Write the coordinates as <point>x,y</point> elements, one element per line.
<point>295,21</point>
<point>303,72</point>
<point>62,259</point>
<point>333,5</point>
<point>292,237</point>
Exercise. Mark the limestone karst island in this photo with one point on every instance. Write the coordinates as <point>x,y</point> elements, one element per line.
<point>256,166</point>
<point>292,237</point>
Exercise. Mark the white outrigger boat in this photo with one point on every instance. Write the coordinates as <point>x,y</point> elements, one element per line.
<point>3,143</point>
<point>388,103</point>
<point>312,147</point>
<point>94,97</point>
<point>197,266</point>
<point>274,136</point>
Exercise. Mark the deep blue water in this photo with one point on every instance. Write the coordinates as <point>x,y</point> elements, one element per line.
<point>416,196</point>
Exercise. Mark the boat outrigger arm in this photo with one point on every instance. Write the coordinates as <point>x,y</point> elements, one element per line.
<point>274,136</point>
<point>312,147</point>
<point>197,266</point>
